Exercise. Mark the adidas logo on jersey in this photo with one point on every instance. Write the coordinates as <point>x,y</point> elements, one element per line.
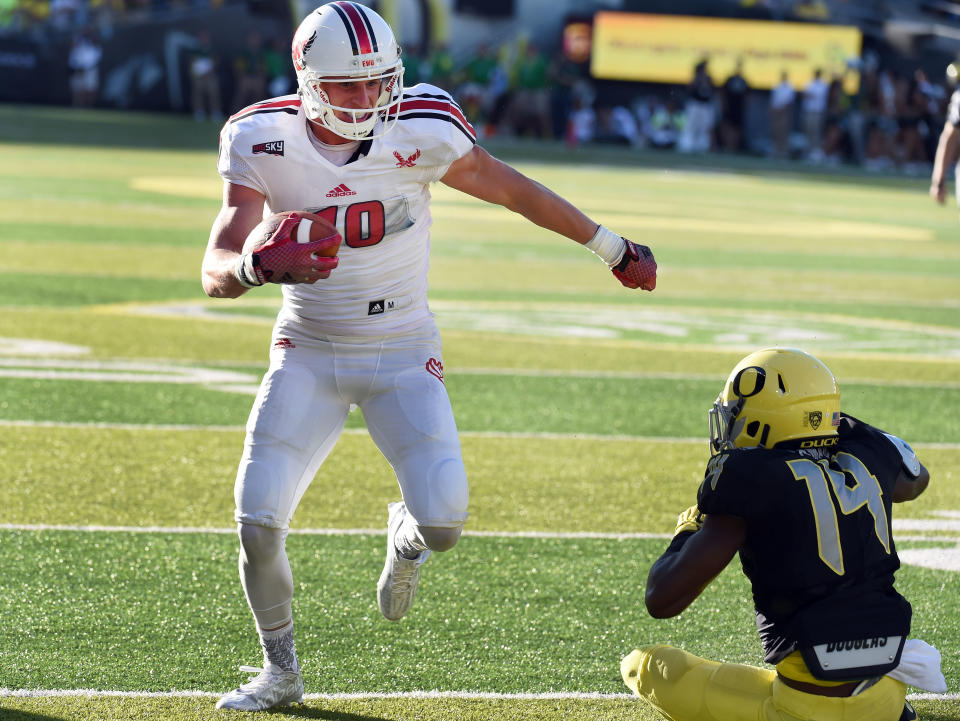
<point>340,191</point>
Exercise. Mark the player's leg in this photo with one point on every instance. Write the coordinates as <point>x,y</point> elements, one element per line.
<point>296,419</point>
<point>883,701</point>
<point>411,421</point>
<point>684,687</point>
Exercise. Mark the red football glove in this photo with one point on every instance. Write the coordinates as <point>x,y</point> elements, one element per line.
<point>637,268</point>
<point>283,260</point>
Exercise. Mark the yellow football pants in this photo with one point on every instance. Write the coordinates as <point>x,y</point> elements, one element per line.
<point>684,687</point>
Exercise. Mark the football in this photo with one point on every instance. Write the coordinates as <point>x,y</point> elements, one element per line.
<point>308,229</point>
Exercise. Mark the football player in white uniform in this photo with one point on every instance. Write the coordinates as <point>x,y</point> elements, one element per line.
<point>359,149</point>
<point>947,146</point>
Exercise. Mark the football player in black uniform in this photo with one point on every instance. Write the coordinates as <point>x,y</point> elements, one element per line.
<point>804,493</point>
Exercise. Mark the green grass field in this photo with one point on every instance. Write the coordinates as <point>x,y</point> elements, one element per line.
<point>582,407</point>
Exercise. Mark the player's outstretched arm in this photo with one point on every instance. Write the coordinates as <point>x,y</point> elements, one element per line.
<point>481,175</point>
<point>701,548</point>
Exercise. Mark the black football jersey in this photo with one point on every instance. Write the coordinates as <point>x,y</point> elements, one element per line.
<point>819,549</point>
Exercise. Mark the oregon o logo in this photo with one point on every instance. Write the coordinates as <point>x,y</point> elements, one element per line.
<point>749,381</point>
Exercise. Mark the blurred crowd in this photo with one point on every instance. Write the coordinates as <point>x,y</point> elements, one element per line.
<point>872,116</point>
<point>73,15</point>
<point>889,119</point>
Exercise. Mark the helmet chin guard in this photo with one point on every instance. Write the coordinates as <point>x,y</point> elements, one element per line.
<point>347,42</point>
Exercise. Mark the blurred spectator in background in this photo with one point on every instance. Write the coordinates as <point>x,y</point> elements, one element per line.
<point>782,98</point>
<point>697,133</point>
<point>204,82</point>
<point>249,73</point>
<point>476,92</point>
<point>910,105</point>
<point>946,154</point>
<point>881,123</point>
<point>734,100</point>
<point>104,14</point>
<point>814,112</point>
<point>616,125</point>
<point>665,124</point>
<point>84,60</point>
<point>29,13</point>
<point>276,60</point>
<point>65,15</point>
<point>934,101</point>
<point>414,68</point>
<point>582,119</point>
<point>836,145</point>
<point>530,105</point>
<point>565,74</point>
<point>440,66</point>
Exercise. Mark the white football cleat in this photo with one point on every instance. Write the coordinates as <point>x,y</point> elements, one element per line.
<point>271,687</point>
<point>398,582</point>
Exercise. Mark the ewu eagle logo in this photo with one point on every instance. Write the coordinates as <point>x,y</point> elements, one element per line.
<point>300,49</point>
<point>407,162</point>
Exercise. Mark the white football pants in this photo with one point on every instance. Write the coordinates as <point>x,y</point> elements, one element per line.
<point>302,406</point>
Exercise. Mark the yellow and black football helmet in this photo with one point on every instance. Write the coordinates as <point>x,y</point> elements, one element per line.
<point>775,395</point>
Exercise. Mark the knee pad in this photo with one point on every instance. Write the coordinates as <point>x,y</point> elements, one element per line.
<point>440,539</point>
<point>447,495</point>
<point>261,544</point>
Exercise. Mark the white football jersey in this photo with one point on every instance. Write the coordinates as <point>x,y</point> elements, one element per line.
<point>380,203</point>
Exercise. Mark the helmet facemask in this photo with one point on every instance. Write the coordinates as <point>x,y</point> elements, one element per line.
<point>724,426</point>
<point>361,121</point>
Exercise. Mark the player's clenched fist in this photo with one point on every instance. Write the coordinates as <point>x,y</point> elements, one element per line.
<point>288,247</point>
<point>690,520</point>
<point>637,268</point>
<point>631,263</point>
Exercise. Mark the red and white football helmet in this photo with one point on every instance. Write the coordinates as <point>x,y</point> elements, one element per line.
<point>346,41</point>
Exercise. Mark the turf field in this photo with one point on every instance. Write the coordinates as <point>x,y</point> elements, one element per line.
<point>582,406</point>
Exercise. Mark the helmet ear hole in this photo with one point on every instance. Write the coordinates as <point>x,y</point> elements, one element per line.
<point>752,428</point>
<point>780,383</point>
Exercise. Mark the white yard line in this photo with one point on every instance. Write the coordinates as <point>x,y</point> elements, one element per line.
<point>466,695</point>
<point>906,524</point>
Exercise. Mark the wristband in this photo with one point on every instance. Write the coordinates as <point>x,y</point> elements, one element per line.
<point>243,271</point>
<point>608,245</point>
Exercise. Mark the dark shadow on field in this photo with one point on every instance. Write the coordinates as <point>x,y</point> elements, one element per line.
<point>7,714</point>
<point>302,711</point>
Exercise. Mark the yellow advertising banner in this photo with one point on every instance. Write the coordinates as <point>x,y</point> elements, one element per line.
<point>665,49</point>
